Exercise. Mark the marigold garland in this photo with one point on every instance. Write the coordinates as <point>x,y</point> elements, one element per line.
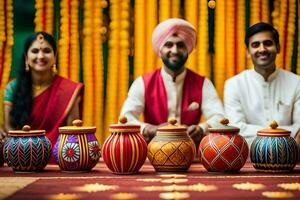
<point>151,18</point>
<point>220,37</point>
<point>139,37</point>
<point>64,40</point>
<point>2,23</point>
<point>118,66</point>
<point>111,111</point>
<point>255,11</point>
<point>74,62</point>
<point>6,43</point>
<point>191,15</point>
<point>290,33</point>
<point>230,53</point>
<point>164,10</point>
<point>175,9</point>
<point>265,12</point>
<point>44,16</point>
<point>93,65</point>
<point>202,45</point>
<point>241,50</point>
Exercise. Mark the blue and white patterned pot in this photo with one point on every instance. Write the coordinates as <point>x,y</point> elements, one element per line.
<point>274,150</point>
<point>27,150</point>
<point>77,148</point>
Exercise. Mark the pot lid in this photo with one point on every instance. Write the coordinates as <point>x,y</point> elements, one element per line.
<point>26,130</point>
<point>274,130</point>
<point>172,126</point>
<point>222,126</point>
<point>77,127</point>
<point>123,126</point>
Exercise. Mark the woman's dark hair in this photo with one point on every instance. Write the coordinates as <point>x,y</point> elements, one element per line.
<point>23,97</point>
<point>260,27</point>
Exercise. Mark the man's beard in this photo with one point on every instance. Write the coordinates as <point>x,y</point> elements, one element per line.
<point>174,66</point>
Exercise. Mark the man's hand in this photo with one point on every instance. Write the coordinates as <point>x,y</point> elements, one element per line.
<point>150,131</point>
<point>196,133</point>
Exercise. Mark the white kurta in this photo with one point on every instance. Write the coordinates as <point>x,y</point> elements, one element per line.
<point>251,103</point>
<point>211,106</point>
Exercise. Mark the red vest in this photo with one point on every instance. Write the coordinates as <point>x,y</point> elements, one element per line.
<point>156,108</point>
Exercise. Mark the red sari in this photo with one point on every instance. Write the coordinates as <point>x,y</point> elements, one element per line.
<point>51,107</point>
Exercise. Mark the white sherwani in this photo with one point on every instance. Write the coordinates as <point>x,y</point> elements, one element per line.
<point>251,103</point>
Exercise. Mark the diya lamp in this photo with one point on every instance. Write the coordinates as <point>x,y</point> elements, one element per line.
<point>223,149</point>
<point>172,149</point>
<point>27,150</point>
<point>77,148</point>
<point>274,150</point>
<point>125,150</point>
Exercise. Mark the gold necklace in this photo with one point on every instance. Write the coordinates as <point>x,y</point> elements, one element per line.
<point>36,88</point>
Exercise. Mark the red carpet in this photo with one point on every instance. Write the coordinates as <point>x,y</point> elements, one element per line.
<point>197,183</point>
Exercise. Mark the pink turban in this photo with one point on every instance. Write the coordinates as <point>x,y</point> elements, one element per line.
<point>167,28</point>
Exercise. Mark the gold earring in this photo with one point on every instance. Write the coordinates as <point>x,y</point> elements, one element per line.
<point>54,70</point>
<point>26,67</point>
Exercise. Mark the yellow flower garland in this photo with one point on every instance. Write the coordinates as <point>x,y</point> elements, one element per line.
<point>164,10</point>
<point>74,61</point>
<point>241,50</point>
<point>202,45</point>
<point>175,8</point>
<point>93,65</point>
<point>2,23</point>
<point>64,39</point>
<point>255,11</point>
<point>191,10</point>
<point>230,39</point>
<point>6,43</point>
<point>111,113</point>
<point>139,37</point>
<point>44,16</point>
<point>290,34</point>
<point>152,20</point>
<point>9,41</point>
<point>219,73</point>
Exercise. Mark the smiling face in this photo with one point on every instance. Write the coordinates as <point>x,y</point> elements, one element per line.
<point>263,50</point>
<point>174,53</point>
<point>40,56</point>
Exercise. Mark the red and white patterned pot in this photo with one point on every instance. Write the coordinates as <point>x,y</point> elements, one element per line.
<point>223,149</point>
<point>125,150</point>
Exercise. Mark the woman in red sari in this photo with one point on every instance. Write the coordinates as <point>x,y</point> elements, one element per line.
<point>38,97</point>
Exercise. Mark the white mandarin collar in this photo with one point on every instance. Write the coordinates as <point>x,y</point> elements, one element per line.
<point>262,79</point>
<point>179,78</point>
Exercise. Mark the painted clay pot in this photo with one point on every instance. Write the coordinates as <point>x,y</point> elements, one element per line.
<point>274,150</point>
<point>27,150</point>
<point>77,148</point>
<point>1,154</point>
<point>223,149</point>
<point>172,149</point>
<point>125,150</point>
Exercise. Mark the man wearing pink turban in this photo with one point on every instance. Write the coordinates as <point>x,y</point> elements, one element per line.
<point>173,90</point>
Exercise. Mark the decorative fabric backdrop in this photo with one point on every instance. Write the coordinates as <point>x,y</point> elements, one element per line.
<point>106,44</point>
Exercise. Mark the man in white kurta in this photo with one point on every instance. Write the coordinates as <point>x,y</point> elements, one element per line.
<point>255,97</point>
